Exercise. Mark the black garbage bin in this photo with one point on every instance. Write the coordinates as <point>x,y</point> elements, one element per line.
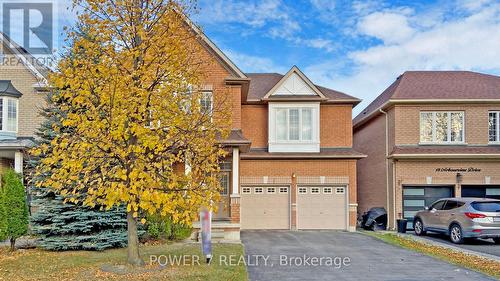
<point>402,226</point>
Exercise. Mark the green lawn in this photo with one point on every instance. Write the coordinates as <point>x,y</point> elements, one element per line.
<point>483,265</point>
<point>82,265</point>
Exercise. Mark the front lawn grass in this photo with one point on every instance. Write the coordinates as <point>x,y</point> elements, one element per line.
<point>483,265</point>
<point>38,264</point>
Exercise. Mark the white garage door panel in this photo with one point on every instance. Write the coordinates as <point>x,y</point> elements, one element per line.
<point>321,211</point>
<point>264,210</point>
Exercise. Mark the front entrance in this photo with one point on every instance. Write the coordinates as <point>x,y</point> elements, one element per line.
<point>416,198</point>
<point>481,191</point>
<point>224,203</point>
<point>321,207</point>
<point>265,207</point>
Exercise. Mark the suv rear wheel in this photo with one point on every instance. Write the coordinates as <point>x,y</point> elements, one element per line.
<point>418,225</point>
<point>456,234</point>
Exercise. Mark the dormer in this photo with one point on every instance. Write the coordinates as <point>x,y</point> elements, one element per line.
<point>294,111</point>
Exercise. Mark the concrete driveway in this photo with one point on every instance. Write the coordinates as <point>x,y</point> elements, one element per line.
<point>289,255</point>
<point>478,245</point>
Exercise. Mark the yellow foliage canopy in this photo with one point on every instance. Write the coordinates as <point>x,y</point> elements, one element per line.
<point>132,113</point>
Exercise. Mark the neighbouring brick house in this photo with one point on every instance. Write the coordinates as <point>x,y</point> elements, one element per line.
<point>22,94</point>
<point>431,134</point>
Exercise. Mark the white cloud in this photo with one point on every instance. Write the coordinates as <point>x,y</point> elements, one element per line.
<point>319,43</point>
<point>250,63</point>
<point>254,13</point>
<point>390,27</point>
<point>467,43</point>
<point>273,16</point>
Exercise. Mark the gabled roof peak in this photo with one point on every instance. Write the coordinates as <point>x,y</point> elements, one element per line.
<point>294,83</point>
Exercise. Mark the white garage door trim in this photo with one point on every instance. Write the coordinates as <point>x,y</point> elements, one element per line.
<point>250,189</point>
<point>335,189</point>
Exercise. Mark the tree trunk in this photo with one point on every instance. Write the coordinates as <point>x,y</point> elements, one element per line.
<point>12,244</point>
<point>133,256</point>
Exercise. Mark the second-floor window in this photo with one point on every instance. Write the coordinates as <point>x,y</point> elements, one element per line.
<point>442,127</point>
<point>8,114</point>
<point>294,127</point>
<point>494,126</point>
<point>294,124</point>
<point>206,102</point>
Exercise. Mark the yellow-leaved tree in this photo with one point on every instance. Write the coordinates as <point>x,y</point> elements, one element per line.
<point>128,87</point>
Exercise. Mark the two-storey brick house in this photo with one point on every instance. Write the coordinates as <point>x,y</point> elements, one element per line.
<point>290,165</point>
<point>431,134</point>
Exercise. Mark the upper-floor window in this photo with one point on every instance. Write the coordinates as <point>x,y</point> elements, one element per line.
<point>8,114</point>
<point>442,127</point>
<point>294,124</point>
<point>294,127</point>
<point>206,102</point>
<point>494,126</point>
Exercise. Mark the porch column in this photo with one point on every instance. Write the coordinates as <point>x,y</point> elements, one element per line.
<point>235,182</point>
<point>18,162</point>
<point>236,171</point>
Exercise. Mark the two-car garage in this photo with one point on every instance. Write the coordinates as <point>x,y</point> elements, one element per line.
<point>317,207</point>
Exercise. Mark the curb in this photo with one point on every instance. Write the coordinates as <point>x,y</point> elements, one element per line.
<point>448,246</point>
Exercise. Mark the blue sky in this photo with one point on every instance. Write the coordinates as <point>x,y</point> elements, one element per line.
<point>358,47</point>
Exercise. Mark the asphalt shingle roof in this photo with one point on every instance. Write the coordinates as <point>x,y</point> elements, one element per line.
<point>262,83</point>
<point>435,85</point>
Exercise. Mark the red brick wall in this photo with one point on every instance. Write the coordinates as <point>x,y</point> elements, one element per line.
<point>371,171</point>
<point>255,125</point>
<point>336,125</point>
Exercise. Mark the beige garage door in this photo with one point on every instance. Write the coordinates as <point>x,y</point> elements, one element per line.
<point>265,207</point>
<point>321,207</point>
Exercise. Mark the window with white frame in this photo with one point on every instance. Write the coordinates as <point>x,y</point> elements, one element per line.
<point>271,190</point>
<point>246,190</point>
<point>294,127</point>
<point>294,124</point>
<point>494,126</point>
<point>8,114</point>
<point>206,102</point>
<point>258,190</point>
<point>327,190</point>
<point>302,190</point>
<point>442,127</point>
<point>314,190</point>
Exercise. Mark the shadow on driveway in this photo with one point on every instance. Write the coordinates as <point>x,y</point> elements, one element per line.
<point>369,258</point>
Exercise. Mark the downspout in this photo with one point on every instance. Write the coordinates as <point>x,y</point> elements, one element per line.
<point>386,157</point>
